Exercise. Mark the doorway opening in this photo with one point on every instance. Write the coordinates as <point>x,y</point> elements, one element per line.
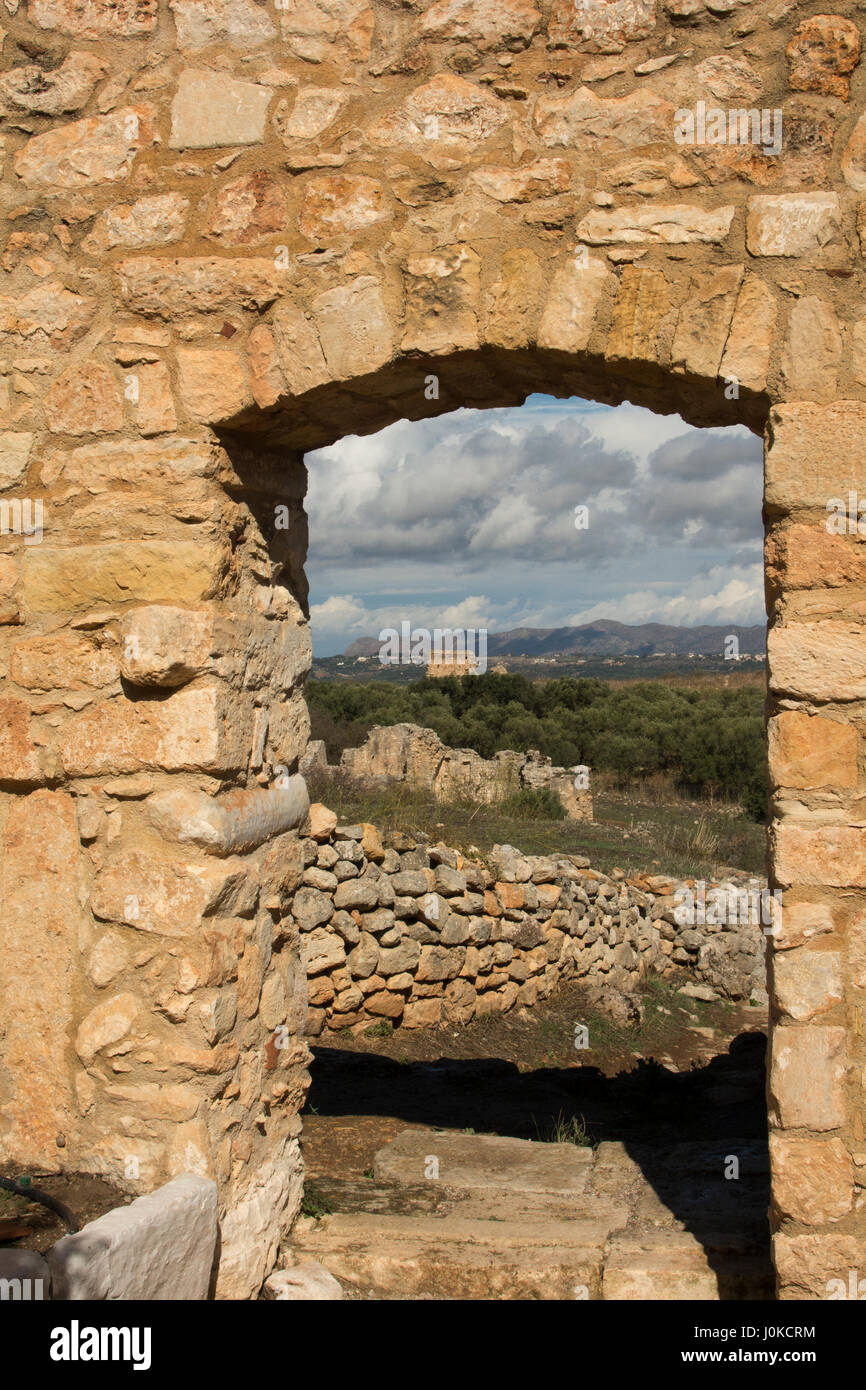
<point>546,865</point>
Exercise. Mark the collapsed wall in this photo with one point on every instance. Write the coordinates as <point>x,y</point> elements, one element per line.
<point>408,753</point>
<point>419,935</point>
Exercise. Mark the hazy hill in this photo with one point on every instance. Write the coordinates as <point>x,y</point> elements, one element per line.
<point>608,638</point>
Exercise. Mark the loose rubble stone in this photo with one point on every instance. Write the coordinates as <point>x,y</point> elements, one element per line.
<point>159,1247</point>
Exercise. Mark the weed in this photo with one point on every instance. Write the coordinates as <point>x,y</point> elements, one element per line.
<point>383,1029</point>
<point>565,1129</point>
<point>313,1203</point>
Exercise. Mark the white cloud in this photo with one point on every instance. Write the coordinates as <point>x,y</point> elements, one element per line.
<point>339,613</point>
<point>739,600</point>
<point>419,520</point>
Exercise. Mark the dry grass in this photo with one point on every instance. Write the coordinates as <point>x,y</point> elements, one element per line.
<point>673,836</point>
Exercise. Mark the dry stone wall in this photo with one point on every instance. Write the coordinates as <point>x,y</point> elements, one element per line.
<point>417,934</point>
<point>408,753</point>
<point>235,232</point>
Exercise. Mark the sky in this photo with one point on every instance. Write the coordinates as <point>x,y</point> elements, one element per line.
<point>468,520</point>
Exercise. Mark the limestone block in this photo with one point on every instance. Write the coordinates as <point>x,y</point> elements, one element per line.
<point>152,221</point>
<point>164,645</point>
<point>151,464</point>
<point>193,729</point>
<point>338,204</point>
<point>99,149</point>
<point>801,922</point>
<point>258,1216</point>
<point>818,661</point>
<point>206,114</point>
<point>95,19</point>
<point>154,409</point>
<point>448,113</point>
<point>817,1266</point>
<point>322,950</point>
<point>241,23</point>
<point>543,179</point>
<point>515,299</point>
<point>813,350</point>
<point>822,53</point>
<point>249,209</point>
<point>231,824</point>
<point>489,24</point>
<point>607,124</point>
<point>643,302</point>
<point>58,580</point>
<point>173,288</point>
<point>599,26</point>
<point>704,321</point>
<point>170,896</point>
<point>39,924</point>
<point>322,822</point>
<point>809,751</point>
<point>396,959</point>
<point>319,31</point>
<point>298,348</point>
<point>361,893</point>
<point>747,351</point>
<point>213,383</point>
<point>161,1246</point>
<point>805,555</point>
<point>19,755</point>
<point>48,315</point>
<point>384,1004</point>
<point>439,963</point>
<point>806,983</point>
<point>670,224</point>
<point>305,1282</point>
<point>795,224</point>
<point>15,446</point>
<point>354,327</point>
<point>107,1022</point>
<point>854,157</point>
<point>66,89</point>
<point>85,399</point>
<point>799,470</point>
<point>834,855</point>
<point>315,109</point>
<point>807,1073</point>
<point>575,293</point>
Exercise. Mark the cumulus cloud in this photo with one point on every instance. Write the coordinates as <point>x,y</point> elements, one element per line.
<point>712,598</point>
<point>339,613</point>
<point>411,521</point>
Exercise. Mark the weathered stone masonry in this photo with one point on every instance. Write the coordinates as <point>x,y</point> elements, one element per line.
<point>233,233</point>
<point>419,934</point>
<point>408,753</point>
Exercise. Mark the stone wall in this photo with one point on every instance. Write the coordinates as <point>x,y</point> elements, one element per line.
<point>408,753</point>
<point>417,934</point>
<point>235,233</point>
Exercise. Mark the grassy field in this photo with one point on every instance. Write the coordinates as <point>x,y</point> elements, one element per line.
<point>653,833</point>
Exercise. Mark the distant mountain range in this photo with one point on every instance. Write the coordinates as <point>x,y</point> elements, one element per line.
<point>607,638</point>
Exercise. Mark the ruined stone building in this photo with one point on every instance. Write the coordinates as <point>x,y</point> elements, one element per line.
<point>235,232</point>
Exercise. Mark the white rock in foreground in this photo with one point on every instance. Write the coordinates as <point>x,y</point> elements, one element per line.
<point>307,1282</point>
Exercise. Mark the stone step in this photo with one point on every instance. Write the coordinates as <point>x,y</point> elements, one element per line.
<point>448,1215</point>
<point>347,1195</point>
<point>483,1162</point>
<point>433,1257</point>
<point>674,1265</point>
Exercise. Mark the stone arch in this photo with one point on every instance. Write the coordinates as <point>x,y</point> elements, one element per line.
<point>286,225</point>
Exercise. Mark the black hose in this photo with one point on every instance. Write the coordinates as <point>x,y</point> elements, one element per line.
<point>33,1194</point>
